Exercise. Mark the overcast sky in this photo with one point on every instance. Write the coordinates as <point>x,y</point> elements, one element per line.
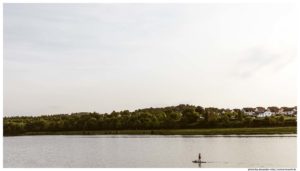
<point>104,57</point>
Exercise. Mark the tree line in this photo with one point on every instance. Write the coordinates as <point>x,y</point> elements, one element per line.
<point>172,117</point>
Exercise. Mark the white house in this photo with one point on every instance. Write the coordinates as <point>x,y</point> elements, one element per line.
<point>266,113</point>
<point>274,110</point>
<point>248,111</point>
<point>287,110</point>
<point>295,110</point>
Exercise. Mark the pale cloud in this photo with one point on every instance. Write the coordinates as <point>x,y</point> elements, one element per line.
<point>259,58</point>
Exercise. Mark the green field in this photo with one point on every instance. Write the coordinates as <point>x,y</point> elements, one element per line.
<point>203,131</point>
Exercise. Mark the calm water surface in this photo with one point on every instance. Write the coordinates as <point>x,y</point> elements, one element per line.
<point>150,151</point>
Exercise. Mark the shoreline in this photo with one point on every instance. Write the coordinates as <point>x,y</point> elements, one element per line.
<point>200,131</point>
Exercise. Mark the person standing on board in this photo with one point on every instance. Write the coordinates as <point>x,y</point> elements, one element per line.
<point>199,157</point>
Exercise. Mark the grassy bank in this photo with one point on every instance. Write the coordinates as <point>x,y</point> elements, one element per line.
<point>203,131</point>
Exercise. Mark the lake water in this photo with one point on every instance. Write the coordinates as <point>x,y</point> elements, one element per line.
<point>276,151</point>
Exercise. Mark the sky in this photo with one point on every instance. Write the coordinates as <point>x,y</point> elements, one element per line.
<point>64,58</point>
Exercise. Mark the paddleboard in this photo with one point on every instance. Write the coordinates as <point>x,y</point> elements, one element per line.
<point>197,161</point>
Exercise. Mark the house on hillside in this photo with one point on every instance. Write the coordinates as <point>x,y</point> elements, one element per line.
<point>262,112</point>
<point>259,110</point>
<point>274,110</point>
<point>249,110</point>
<point>287,110</point>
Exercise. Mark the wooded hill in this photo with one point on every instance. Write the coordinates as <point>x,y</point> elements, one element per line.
<point>173,117</point>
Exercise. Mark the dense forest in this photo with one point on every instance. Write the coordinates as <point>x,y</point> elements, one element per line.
<point>173,117</point>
